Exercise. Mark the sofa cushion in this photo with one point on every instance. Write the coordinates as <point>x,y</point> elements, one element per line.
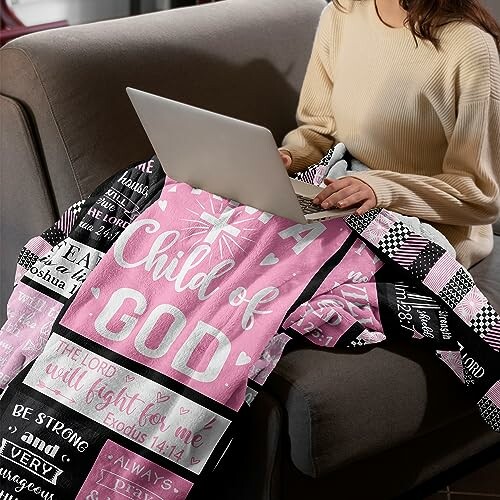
<point>343,406</point>
<point>485,274</point>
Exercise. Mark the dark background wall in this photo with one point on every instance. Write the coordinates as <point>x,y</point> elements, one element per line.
<point>494,6</point>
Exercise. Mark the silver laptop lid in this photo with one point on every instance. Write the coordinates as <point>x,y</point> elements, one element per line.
<point>222,155</point>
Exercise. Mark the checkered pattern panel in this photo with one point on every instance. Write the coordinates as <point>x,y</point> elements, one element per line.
<point>485,319</point>
<point>456,289</point>
<point>490,413</point>
<point>426,260</point>
<point>360,222</point>
<point>394,238</point>
<point>27,258</point>
<point>77,207</point>
<point>53,235</point>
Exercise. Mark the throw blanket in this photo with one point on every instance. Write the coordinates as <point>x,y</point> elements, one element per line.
<point>128,364</point>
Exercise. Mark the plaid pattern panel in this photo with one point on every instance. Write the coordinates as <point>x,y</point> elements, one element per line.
<point>394,238</point>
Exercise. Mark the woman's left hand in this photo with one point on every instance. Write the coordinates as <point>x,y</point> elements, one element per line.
<point>346,192</point>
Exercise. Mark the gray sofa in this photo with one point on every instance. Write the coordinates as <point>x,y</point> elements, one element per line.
<point>368,425</point>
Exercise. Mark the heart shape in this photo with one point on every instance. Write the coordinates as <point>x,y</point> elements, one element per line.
<point>173,189</point>
<point>95,292</point>
<point>176,490</point>
<point>269,260</point>
<point>161,398</point>
<point>194,461</point>
<point>129,378</point>
<point>243,359</point>
<point>163,205</point>
<point>183,411</point>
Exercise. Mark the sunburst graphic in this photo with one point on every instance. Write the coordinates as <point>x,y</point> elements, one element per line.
<point>221,225</point>
<point>471,305</point>
<point>375,231</point>
<point>454,361</point>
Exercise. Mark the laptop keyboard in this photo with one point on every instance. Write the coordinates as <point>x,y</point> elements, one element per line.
<point>308,207</point>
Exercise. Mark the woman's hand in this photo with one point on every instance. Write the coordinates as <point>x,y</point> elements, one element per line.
<point>286,158</point>
<point>346,192</point>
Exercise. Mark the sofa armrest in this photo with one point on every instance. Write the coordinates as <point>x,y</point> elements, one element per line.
<point>26,207</point>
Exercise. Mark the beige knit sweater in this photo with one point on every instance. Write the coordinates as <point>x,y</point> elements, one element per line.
<point>426,122</point>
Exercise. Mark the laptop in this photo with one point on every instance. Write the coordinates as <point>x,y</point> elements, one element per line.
<point>227,157</point>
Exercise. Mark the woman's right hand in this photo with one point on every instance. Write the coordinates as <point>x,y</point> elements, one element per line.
<point>286,158</point>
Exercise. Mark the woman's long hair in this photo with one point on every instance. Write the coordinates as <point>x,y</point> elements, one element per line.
<point>426,16</point>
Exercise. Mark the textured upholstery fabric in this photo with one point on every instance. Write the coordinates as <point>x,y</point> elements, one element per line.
<point>486,274</point>
<point>387,475</point>
<point>345,406</point>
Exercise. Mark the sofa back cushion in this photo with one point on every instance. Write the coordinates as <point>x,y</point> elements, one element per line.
<point>243,58</point>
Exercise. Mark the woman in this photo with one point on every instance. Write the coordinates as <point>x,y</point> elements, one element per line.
<point>412,88</point>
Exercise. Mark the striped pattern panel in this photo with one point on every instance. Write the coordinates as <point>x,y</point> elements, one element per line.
<point>440,274</point>
<point>493,336</point>
<point>494,394</point>
<point>68,218</point>
<point>38,246</point>
<point>410,250</point>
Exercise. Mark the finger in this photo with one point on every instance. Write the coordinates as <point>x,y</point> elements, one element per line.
<point>323,195</point>
<point>338,196</point>
<point>332,187</point>
<point>367,205</point>
<point>353,199</point>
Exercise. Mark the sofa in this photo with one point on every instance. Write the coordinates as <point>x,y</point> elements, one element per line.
<point>381,423</point>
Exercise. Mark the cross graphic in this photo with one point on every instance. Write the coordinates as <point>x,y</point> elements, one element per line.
<point>219,225</point>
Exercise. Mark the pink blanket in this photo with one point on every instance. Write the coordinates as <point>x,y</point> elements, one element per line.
<point>146,368</point>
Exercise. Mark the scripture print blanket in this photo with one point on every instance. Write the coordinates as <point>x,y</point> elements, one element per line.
<point>136,386</point>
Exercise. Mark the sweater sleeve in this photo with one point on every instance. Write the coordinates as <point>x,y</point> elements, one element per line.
<point>466,191</point>
<point>309,142</point>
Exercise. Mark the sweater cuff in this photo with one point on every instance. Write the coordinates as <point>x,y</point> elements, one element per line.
<point>381,187</point>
